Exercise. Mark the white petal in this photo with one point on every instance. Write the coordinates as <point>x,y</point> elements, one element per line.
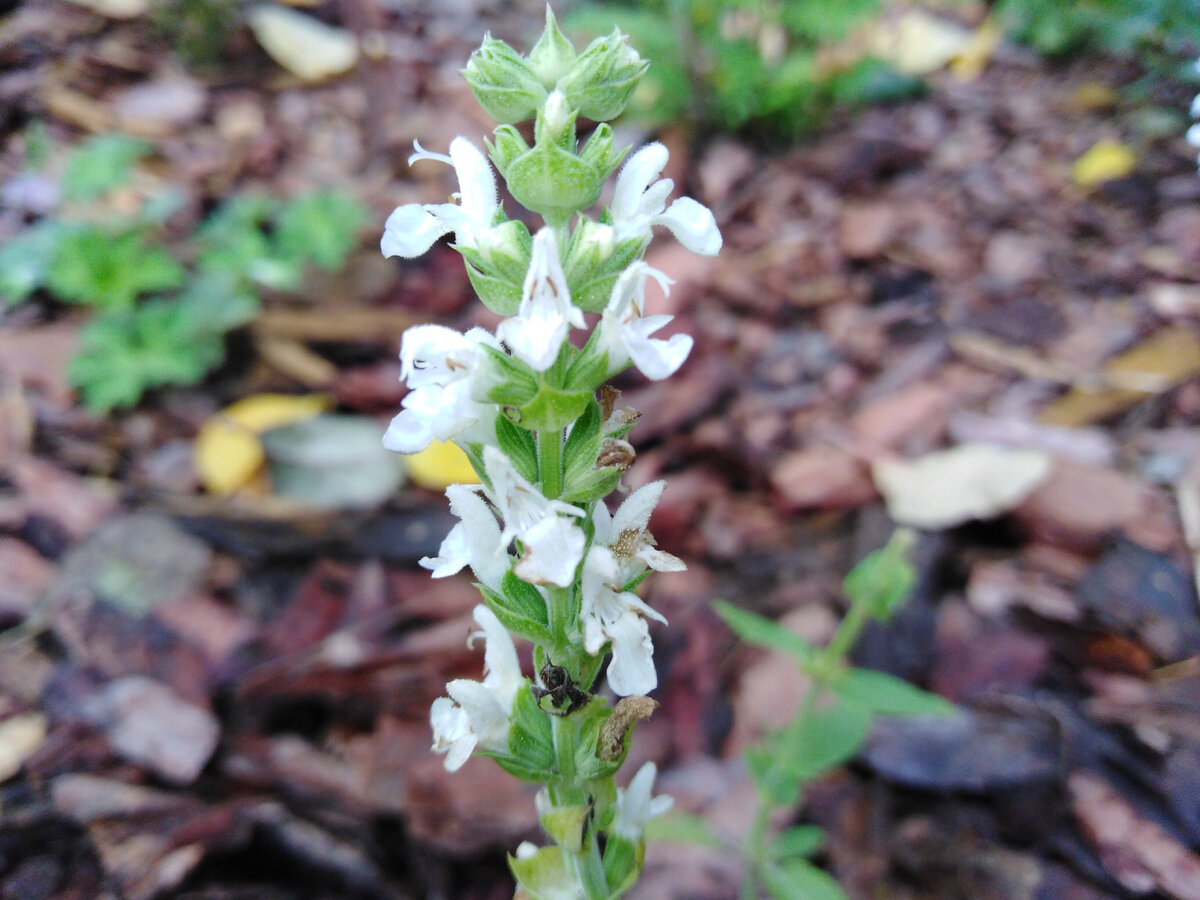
<point>632,668</point>
<point>476,185</point>
<point>453,554</point>
<point>657,359</point>
<point>553,549</point>
<point>635,805</point>
<point>635,177</point>
<point>435,354</point>
<point>1193,135</point>
<point>409,432</point>
<point>661,561</point>
<point>452,732</point>
<point>503,672</point>
<point>411,230</point>
<point>634,513</point>
<point>535,339</point>
<point>1196,107</point>
<point>602,521</point>
<point>486,556</point>
<point>489,720</point>
<point>693,225</point>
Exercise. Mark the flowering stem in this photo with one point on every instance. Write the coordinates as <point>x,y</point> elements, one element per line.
<point>586,861</point>
<point>550,462</point>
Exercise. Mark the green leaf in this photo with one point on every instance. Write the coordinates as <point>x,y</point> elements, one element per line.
<point>756,629</point>
<point>519,446</point>
<point>885,578</point>
<point>125,353</point>
<point>818,741</point>
<point>218,301</point>
<point>321,227</point>
<point>515,383</point>
<point>800,880</point>
<point>683,828</point>
<point>530,739</point>
<point>772,781</point>
<point>591,485</point>
<point>883,694</point>
<point>109,271</point>
<point>826,21</point>
<point>26,260</point>
<point>522,614</point>
<point>583,443</point>
<point>100,164</point>
<point>799,840</point>
<point>552,409</point>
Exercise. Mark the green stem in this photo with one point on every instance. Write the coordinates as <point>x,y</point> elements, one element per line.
<point>843,639</point>
<point>550,446</point>
<point>567,791</point>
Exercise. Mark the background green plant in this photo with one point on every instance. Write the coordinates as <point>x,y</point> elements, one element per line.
<point>828,729</point>
<point>1122,27</point>
<point>746,65</point>
<point>162,311</point>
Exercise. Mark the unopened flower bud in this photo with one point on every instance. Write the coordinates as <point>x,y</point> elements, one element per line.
<point>552,55</point>
<point>603,77</point>
<point>503,83</point>
<point>557,120</point>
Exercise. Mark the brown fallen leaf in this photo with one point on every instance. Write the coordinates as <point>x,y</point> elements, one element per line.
<point>1159,363</point>
<point>1139,854</point>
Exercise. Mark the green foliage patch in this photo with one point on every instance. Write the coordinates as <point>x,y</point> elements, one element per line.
<point>747,65</point>
<point>162,311</point>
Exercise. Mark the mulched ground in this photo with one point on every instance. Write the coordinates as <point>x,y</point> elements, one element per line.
<point>235,696</point>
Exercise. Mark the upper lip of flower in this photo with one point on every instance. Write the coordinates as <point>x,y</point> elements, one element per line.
<point>414,227</point>
<point>640,202</point>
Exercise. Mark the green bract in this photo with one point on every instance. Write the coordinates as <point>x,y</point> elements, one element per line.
<point>603,77</point>
<point>503,82</point>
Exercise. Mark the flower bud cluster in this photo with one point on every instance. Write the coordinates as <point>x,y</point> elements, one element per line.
<point>553,564</point>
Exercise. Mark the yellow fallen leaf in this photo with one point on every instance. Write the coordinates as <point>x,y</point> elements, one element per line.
<point>973,58</point>
<point>20,738</point>
<point>306,47</point>
<point>1093,96</point>
<point>1105,161</point>
<point>440,465</point>
<point>917,43</point>
<point>1159,363</point>
<point>228,453</point>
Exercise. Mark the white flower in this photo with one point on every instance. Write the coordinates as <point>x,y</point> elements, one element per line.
<point>544,318</point>
<point>413,228</point>
<point>609,614</point>
<point>477,713</point>
<point>474,542</point>
<point>638,205</point>
<point>625,330</point>
<point>439,365</point>
<point>552,544</point>
<point>626,536</point>
<point>635,805</point>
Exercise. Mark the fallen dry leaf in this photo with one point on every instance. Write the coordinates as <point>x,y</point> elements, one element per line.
<point>20,737</point>
<point>1136,852</point>
<point>1104,161</point>
<point>950,487</point>
<point>228,450</point>
<point>1159,363</point>
<point>304,46</point>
